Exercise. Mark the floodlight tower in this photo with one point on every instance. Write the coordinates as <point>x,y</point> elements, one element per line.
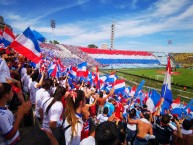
<point>112,34</point>
<point>53,26</point>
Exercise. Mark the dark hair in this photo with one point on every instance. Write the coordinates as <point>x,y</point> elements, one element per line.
<point>165,119</point>
<point>187,124</point>
<point>35,137</point>
<point>144,106</point>
<point>106,133</point>
<point>35,75</point>
<point>132,113</point>
<point>106,110</point>
<point>46,84</point>
<point>100,94</point>
<point>92,126</point>
<point>147,116</point>
<point>5,89</point>
<point>58,94</point>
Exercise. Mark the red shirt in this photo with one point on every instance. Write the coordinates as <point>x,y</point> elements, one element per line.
<point>119,109</point>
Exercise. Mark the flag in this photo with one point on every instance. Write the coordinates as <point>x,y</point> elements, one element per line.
<point>176,103</point>
<point>111,78</point>
<point>27,45</point>
<point>38,37</point>
<point>73,71</point>
<point>82,70</point>
<point>132,92</point>
<point>153,101</point>
<point>166,92</point>
<point>55,72</point>
<point>139,88</point>
<point>119,86</point>
<point>1,36</point>
<point>8,36</point>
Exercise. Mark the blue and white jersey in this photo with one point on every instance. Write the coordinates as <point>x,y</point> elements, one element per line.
<point>6,126</point>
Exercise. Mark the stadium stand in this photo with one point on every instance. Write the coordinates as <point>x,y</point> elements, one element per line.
<point>122,58</point>
<point>82,55</point>
<point>183,59</point>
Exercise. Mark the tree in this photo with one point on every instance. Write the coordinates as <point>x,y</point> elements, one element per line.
<point>56,42</point>
<point>92,46</point>
<point>50,41</point>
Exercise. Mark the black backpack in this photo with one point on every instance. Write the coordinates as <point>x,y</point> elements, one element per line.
<point>59,132</point>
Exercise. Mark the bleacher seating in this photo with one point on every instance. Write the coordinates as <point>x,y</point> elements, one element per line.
<point>184,59</point>
<point>121,57</point>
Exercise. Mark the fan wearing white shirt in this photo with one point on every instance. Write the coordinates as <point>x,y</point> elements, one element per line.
<point>5,75</point>
<point>9,133</point>
<point>52,109</point>
<point>35,85</point>
<point>41,94</point>
<point>75,102</point>
<point>103,117</point>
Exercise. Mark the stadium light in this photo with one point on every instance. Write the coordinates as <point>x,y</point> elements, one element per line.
<point>53,26</point>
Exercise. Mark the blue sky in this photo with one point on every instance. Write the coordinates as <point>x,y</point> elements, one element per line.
<point>139,24</point>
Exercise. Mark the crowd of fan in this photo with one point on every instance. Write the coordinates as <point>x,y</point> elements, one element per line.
<point>88,116</point>
<point>82,55</point>
<point>183,58</point>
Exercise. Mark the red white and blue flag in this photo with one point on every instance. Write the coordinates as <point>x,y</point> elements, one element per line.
<point>119,86</point>
<point>153,101</point>
<point>27,45</point>
<point>166,92</point>
<point>8,36</point>
<point>82,70</point>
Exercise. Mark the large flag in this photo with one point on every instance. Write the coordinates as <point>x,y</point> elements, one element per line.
<point>38,37</point>
<point>153,101</point>
<point>27,45</point>
<point>8,36</point>
<point>82,70</point>
<point>166,92</point>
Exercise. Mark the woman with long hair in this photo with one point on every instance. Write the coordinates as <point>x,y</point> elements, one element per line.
<point>52,109</point>
<point>74,104</point>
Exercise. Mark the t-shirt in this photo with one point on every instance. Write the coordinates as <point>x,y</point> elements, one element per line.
<point>68,133</point>
<point>162,132</point>
<point>4,71</point>
<point>26,79</point>
<point>54,112</point>
<point>33,91</point>
<point>41,94</point>
<point>6,125</point>
<point>110,107</point>
<point>101,118</point>
<point>88,141</point>
<point>118,109</point>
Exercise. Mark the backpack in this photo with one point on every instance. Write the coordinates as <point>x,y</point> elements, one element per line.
<point>59,132</point>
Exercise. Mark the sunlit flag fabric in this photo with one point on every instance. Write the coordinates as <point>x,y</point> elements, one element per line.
<point>166,92</point>
<point>139,88</point>
<point>119,86</point>
<point>176,103</point>
<point>27,45</point>
<point>111,78</point>
<point>8,36</point>
<point>82,70</point>
<point>1,36</point>
<point>153,101</point>
<point>38,37</point>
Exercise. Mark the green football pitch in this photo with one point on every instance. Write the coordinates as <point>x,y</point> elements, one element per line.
<point>181,76</point>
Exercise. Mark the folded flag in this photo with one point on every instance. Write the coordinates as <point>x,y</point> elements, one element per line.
<point>27,45</point>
